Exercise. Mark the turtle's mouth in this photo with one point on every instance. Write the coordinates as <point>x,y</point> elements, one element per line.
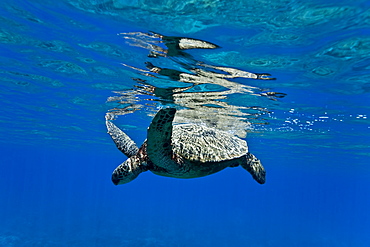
<point>116,179</point>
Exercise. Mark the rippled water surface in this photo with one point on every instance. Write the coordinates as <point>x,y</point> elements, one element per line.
<point>290,77</point>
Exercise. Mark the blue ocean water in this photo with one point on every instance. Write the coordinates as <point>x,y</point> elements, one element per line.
<point>63,67</point>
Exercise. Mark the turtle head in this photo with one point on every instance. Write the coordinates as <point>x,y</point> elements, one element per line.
<point>127,171</point>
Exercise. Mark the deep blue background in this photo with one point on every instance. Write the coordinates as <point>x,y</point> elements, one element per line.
<point>64,197</point>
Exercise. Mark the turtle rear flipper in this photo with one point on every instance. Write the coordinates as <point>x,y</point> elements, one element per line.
<point>254,167</point>
<point>123,142</point>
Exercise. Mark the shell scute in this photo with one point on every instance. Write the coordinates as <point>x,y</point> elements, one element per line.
<point>200,143</point>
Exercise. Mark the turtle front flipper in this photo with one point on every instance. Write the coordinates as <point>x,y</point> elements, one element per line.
<point>122,141</point>
<point>254,167</point>
<point>159,140</point>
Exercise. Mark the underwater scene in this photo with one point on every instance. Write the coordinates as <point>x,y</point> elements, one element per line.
<point>149,123</point>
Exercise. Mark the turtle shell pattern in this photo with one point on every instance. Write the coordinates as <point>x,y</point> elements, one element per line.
<point>200,143</point>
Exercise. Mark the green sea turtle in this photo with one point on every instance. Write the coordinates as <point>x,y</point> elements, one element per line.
<point>181,151</point>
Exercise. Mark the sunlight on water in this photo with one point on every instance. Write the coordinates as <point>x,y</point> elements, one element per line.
<point>94,64</point>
